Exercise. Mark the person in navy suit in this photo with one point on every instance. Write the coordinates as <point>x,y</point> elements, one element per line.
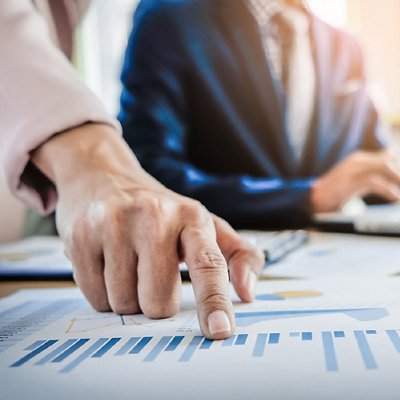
<point>212,109</point>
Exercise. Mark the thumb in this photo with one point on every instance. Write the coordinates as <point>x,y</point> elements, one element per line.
<point>245,262</point>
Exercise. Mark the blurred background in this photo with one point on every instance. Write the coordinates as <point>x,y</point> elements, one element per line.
<point>102,38</point>
<point>376,23</point>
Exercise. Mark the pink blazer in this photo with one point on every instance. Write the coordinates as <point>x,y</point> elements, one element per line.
<point>40,92</point>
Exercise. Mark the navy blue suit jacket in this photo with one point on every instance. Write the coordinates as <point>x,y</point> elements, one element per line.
<point>203,114</point>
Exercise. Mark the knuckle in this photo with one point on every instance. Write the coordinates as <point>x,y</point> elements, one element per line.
<point>125,307</point>
<point>98,302</point>
<point>160,309</point>
<point>259,256</point>
<point>115,213</point>
<point>208,258</point>
<point>148,203</point>
<point>100,306</point>
<point>213,298</point>
<point>152,210</point>
<point>193,210</point>
<point>75,246</point>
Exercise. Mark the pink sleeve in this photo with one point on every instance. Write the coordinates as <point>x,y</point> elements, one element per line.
<point>40,95</point>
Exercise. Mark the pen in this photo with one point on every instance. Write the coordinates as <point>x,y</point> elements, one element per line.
<point>282,244</point>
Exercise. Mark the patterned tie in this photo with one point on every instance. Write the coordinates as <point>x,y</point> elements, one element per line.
<point>297,76</point>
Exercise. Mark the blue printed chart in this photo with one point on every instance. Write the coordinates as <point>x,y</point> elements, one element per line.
<point>61,344</point>
<point>69,354</point>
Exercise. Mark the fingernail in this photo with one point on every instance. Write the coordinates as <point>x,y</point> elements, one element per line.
<point>218,322</point>
<point>251,282</point>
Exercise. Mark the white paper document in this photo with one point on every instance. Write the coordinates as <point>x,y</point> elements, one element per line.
<point>336,339</point>
<point>329,255</point>
<point>35,257</point>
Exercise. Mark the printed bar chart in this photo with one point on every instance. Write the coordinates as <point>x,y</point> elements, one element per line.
<point>329,351</point>
<point>183,349</point>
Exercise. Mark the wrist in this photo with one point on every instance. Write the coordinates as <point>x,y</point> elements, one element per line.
<point>87,148</point>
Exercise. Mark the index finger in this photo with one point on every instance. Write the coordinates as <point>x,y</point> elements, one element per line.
<point>209,275</point>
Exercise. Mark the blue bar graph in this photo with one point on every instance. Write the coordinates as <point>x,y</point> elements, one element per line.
<point>34,345</point>
<point>190,349</point>
<point>127,346</point>
<point>365,350</point>
<point>229,342</point>
<point>141,345</point>
<point>338,334</point>
<point>56,351</point>
<point>185,347</point>
<point>206,344</point>
<point>111,343</point>
<point>329,351</point>
<point>274,338</point>
<point>241,340</point>
<point>158,348</point>
<point>260,345</point>
<point>394,338</point>
<point>70,350</point>
<point>86,354</point>
<point>175,342</point>
<point>34,353</point>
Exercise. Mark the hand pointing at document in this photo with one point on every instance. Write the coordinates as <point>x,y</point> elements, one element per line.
<point>125,234</point>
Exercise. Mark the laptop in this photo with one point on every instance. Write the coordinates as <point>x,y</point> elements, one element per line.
<point>358,217</point>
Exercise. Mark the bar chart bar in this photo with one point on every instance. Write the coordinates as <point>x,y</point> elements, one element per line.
<point>206,344</point>
<point>34,353</point>
<point>365,350</point>
<point>274,338</point>
<point>86,354</point>
<point>329,351</point>
<point>56,351</point>
<point>241,340</point>
<point>74,351</point>
<point>229,341</point>
<point>175,342</point>
<point>35,345</point>
<point>127,346</point>
<point>260,345</point>
<point>158,348</point>
<point>394,338</point>
<point>70,350</point>
<point>141,345</point>
<point>111,343</point>
<point>190,349</point>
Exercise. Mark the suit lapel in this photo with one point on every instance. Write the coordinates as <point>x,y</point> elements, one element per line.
<point>259,88</point>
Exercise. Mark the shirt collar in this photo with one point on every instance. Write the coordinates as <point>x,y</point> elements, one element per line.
<point>264,10</point>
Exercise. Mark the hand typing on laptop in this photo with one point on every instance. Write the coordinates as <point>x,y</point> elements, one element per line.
<point>361,173</point>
